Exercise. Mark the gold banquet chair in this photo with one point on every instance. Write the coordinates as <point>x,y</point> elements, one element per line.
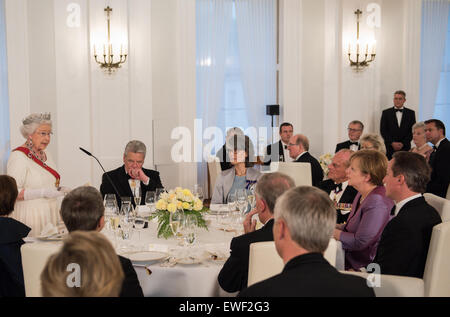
<point>441,205</point>
<point>436,278</point>
<point>264,261</point>
<point>34,259</point>
<point>300,172</point>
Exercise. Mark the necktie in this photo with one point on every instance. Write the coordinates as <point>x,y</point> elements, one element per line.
<point>393,211</point>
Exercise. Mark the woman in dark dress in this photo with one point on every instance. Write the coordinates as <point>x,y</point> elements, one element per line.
<point>12,233</point>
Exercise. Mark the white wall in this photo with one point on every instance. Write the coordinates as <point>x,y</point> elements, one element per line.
<point>51,68</point>
<point>329,94</point>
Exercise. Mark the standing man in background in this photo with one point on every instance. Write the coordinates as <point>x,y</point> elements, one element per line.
<point>396,125</point>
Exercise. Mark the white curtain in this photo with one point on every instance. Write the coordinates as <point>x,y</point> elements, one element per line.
<point>256,25</point>
<point>213,21</point>
<point>4,102</point>
<point>434,32</point>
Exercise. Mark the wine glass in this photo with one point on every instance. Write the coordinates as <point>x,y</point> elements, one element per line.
<point>139,224</point>
<point>242,200</point>
<point>231,201</point>
<point>198,192</point>
<point>110,203</point>
<point>175,221</point>
<point>189,226</point>
<point>150,201</point>
<point>159,191</point>
<point>137,195</point>
<point>251,198</point>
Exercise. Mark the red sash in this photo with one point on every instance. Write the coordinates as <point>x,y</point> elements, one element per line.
<point>40,163</point>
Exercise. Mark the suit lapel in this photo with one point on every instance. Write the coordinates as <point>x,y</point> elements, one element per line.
<point>123,181</point>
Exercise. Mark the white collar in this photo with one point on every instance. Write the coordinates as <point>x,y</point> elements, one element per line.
<point>300,155</point>
<point>400,204</point>
<point>439,143</point>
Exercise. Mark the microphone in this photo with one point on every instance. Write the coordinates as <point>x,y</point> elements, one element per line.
<point>107,176</point>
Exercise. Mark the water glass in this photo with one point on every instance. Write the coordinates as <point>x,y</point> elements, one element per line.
<point>232,201</point>
<point>242,200</point>
<point>110,203</point>
<point>139,224</point>
<point>198,192</point>
<point>175,221</point>
<point>189,227</point>
<point>150,201</point>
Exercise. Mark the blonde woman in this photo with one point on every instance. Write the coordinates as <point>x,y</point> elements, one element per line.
<point>420,140</point>
<point>373,141</point>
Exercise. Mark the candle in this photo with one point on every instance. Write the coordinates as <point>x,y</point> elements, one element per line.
<point>367,49</point>
<point>95,51</point>
<point>104,49</point>
<point>121,49</point>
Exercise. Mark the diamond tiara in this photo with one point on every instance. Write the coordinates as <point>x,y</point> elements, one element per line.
<point>37,118</point>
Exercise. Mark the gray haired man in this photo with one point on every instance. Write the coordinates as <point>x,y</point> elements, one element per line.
<point>131,175</point>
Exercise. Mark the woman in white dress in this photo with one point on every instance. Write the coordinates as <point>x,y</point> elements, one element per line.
<point>36,176</point>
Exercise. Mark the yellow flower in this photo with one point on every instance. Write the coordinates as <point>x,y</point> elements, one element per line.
<point>161,204</point>
<point>179,204</point>
<point>172,197</point>
<point>198,205</point>
<point>186,205</point>
<point>171,207</point>
<point>187,192</point>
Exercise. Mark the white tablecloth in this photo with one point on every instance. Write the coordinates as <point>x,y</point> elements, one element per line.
<point>187,280</point>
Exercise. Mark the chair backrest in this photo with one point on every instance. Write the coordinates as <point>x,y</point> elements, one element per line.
<point>392,285</point>
<point>34,258</point>
<point>437,268</point>
<point>300,172</point>
<point>442,205</point>
<point>448,192</point>
<point>214,172</point>
<point>264,261</point>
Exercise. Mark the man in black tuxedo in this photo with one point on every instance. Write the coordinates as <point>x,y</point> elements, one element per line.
<point>439,158</point>
<point>234,274</point>
<point>355,130</point>
<point>304,222</point>
<point>278,152</point>
<point>82,210</point>
<point>403,246</point>
<point>337,187</point>
<point>396,125</point>
<point>131,175</point>
<point>298,150</point>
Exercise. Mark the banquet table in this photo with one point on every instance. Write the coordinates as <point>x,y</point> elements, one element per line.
<point>164,278</point>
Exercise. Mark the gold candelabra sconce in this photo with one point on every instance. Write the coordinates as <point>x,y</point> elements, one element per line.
<point>108,63</point>
<point>362,60</point>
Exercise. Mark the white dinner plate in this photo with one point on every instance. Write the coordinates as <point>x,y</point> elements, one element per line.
<point>147,256</point>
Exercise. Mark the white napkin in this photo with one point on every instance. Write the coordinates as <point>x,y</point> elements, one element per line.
<point>218,207</point>
<point>49,230</point>
<point>158,248</point>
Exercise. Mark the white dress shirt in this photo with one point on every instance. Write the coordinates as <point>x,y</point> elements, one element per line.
<point>400,204</point>
<point>399,115</point>
<point>287,157</point>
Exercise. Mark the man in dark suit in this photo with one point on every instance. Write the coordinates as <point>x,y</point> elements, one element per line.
<point>298,150</point>
<point>337,187</point>
<point>278,152</point>
<point>439,158</point>
<point>304,222</point>
<point>234,274</point>
<point>396,125</point>
<point>82,209</point>
<point>355,130</point>
<point>403,246</point>
<point>131,175</point>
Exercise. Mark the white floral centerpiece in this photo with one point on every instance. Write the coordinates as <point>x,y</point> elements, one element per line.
<point>324,161</point>
<point>176,199</point>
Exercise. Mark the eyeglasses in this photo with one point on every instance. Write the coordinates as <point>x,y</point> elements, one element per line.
<point>44,134</point>
<point>290,144</point>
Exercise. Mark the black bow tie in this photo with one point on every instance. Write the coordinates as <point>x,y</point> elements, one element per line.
<point>393,211</point>
<point>285,147</point>
<point>398,110</point>
<point>353,143</point>
<point>338,188</point>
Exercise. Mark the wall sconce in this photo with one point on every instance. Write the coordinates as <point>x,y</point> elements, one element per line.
<point>359,63</point>
<point>108,64</point>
